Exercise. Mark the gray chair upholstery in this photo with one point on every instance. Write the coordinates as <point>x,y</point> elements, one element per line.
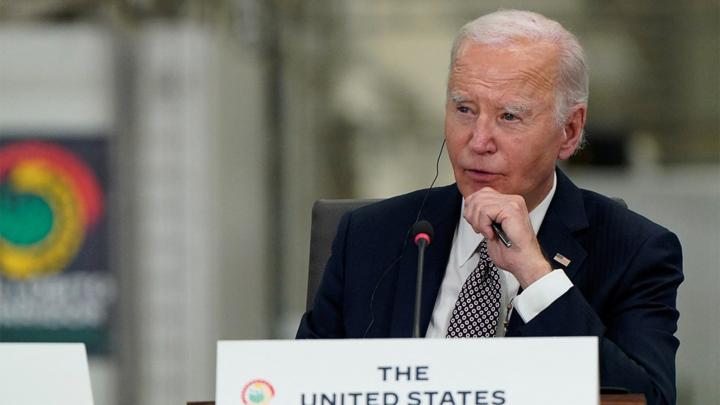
<point>325,219</point>
<point>620,201</point>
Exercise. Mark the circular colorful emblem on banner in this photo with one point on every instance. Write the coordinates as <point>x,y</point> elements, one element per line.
<point>257,392</point>
<point>49,200</point>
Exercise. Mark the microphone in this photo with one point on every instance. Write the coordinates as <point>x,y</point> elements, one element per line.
<point>422,233</point>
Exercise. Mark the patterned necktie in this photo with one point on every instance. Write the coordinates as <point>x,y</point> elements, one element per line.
<point>477,308</point>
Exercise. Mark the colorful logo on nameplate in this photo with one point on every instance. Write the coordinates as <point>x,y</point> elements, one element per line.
<point>50,200</point>
<point>257,392</point>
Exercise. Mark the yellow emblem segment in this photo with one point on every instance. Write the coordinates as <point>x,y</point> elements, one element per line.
<point>61,244</point>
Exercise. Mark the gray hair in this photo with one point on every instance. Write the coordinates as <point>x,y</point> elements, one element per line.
<point>505,27</point>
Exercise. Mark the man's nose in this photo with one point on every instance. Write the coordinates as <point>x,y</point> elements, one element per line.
<point>483,140</point>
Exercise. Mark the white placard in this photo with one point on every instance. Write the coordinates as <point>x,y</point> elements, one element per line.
<point>537,371</point>
<point>44,373</point>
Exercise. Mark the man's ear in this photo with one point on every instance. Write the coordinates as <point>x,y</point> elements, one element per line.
<point>572,131</point>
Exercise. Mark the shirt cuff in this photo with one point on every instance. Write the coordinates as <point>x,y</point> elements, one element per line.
<point>540,294</point>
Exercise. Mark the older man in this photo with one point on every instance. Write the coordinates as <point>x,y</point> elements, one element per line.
<point>579,265</point>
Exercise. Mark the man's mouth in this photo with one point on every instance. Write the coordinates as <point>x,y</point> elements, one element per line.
<point>480,171</point>
<point>480,175</point>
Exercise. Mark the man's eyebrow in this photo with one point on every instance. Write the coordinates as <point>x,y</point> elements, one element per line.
<point>457,98</point>
<point>517,108</point>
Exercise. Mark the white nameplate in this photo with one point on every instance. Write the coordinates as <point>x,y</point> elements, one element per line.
<point>522,371</point>
<point>44,373</point>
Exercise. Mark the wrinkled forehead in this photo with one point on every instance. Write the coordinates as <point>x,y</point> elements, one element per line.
<point>542,52</point>
<point>534,62</point>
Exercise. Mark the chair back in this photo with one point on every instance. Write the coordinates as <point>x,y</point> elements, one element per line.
<point>326,216</point>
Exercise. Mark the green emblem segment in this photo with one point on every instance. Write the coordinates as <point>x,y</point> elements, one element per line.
<point>256,396</point>
<point>25,219</point>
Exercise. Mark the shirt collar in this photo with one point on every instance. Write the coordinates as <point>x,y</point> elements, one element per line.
<point>468,241</point>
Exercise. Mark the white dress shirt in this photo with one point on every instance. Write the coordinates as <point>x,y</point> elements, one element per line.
<point>464,257</point>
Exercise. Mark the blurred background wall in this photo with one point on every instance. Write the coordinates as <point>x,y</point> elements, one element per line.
<point>225,120</point>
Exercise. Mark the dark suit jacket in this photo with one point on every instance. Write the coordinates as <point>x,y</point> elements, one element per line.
<point>625,270</point>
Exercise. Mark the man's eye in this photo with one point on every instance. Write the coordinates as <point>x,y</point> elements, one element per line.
<point>463,110</point>
<point>509,117</point>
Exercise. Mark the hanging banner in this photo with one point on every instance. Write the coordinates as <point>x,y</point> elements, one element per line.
<point>55,282</point>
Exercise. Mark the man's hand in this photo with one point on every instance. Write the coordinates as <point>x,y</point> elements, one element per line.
<point>524,259</point>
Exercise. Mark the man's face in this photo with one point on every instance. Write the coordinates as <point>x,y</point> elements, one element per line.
<point>499,119</point>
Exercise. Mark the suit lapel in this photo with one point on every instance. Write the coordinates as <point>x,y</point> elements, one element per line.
<point>442,210</point>
<point>565,216</point>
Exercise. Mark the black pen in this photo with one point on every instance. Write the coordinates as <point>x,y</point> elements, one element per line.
<point>501,234</point>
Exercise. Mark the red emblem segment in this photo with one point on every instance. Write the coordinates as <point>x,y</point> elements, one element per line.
<point>62,161</point>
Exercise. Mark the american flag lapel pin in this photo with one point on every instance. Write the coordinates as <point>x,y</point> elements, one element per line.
<point>562,259</point>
